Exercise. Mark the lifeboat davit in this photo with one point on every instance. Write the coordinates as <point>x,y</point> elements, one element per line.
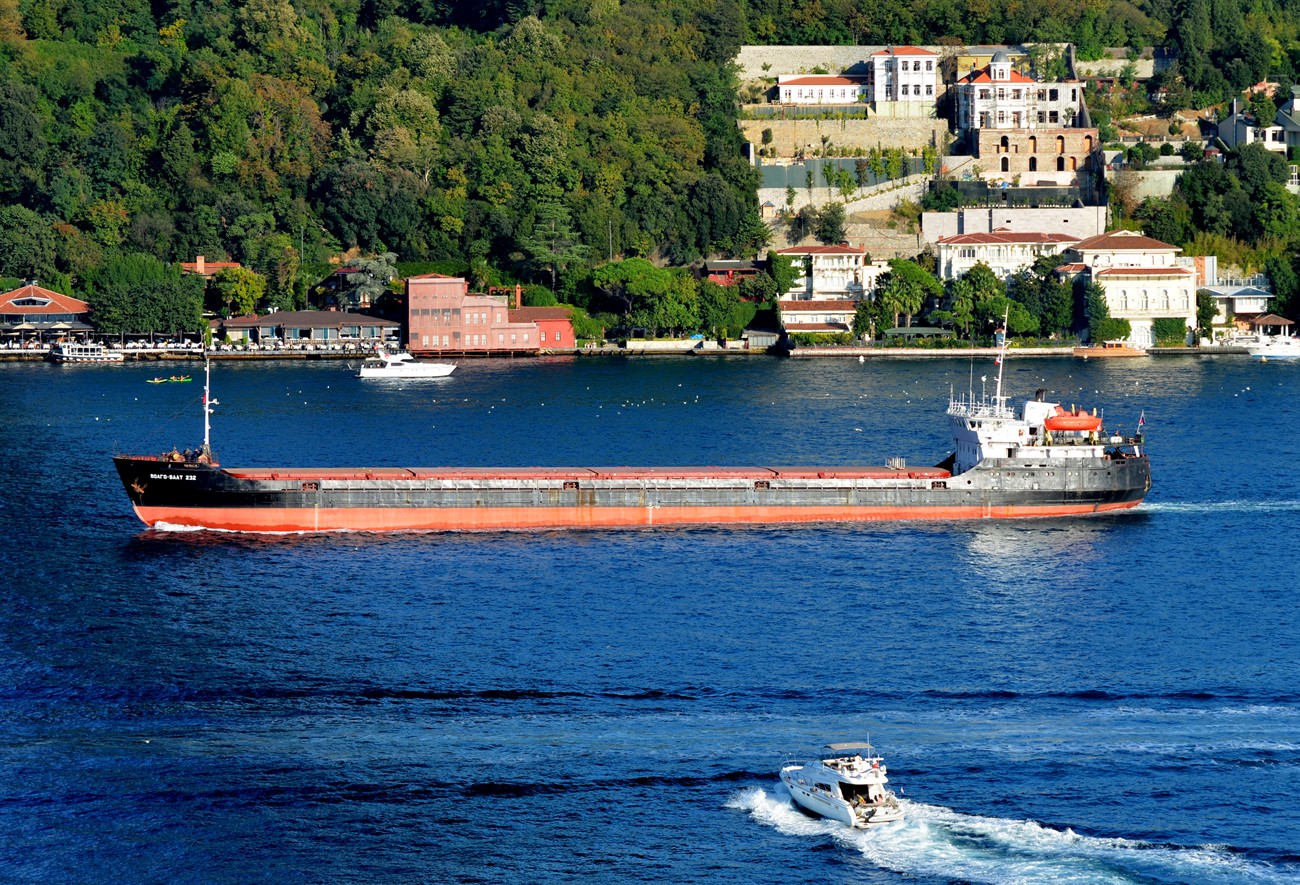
<point>1076,420</point>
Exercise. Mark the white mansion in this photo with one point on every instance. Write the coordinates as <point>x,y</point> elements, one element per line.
<point>1144,279</point>
<point>1006,252</point>
<point>999,97</point>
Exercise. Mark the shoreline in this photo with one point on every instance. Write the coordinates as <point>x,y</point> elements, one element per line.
<point>659,349</point>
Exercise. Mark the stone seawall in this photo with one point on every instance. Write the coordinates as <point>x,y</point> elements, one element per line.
<point>789,137</point>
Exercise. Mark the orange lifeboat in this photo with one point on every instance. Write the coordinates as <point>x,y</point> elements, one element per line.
<point>1076,420</point>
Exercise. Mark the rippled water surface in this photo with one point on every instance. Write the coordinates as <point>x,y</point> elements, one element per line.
<point>1103,700</point>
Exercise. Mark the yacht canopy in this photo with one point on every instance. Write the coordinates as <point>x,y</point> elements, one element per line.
<point>840,747</point>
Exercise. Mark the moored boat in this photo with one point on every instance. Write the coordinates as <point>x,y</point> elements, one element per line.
<point>1276,347</point>
<point>80,352</point>
<point>846,786</point>
<point>402,365</point>
<point>1109,350</point>
<point>1006,463</point>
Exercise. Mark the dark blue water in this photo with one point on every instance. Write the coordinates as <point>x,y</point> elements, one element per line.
<point>1106,700</point>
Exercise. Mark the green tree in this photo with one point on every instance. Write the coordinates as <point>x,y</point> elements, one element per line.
<point>783,272</point>
<point>905,288</point>
<point>1207,308</point>
<point>830,224</point>
<point>28,247</point>
<point>238,289</point>
<point>370,279</point>
<point>137,293</point>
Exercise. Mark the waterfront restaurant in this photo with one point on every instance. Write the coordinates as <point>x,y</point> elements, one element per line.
<point>31,313</point>
<point>292,327</point>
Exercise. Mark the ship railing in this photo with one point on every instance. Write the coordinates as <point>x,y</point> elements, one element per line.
<point>987,407</point>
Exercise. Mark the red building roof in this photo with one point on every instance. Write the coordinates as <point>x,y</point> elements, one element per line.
<point>844,304</point>
<point>904,50</point>
<point>40,301</point>
<point>539,314</point>
<point>1144,272</point>
<point>1122,241</point>
<point>983,76</point>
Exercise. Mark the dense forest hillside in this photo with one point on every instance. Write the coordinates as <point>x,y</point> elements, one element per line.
<point>520,141</point>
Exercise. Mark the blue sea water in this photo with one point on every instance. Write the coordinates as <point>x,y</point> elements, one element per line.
<point>1104,700</point>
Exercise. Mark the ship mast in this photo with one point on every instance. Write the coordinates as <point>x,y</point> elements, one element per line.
<point>207,406</point>
<point>1001,335</point>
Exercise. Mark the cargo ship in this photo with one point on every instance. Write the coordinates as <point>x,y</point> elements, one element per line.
<point>1036,460</point>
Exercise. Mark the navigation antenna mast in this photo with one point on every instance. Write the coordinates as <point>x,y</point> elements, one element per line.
<point>1001,336</point>
<point>207,406</point>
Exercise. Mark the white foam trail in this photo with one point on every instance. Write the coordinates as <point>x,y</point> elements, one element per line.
<point>1222,507</point>
<point>173,527</point>
<point>937,842</point>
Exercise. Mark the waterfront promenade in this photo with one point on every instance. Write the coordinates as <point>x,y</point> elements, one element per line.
<point>345,351</point>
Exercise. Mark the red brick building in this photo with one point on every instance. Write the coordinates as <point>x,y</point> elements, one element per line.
<point>444,317</point>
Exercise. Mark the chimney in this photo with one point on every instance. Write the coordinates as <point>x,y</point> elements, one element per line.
<point>198,265</point>
<point>519,296</point>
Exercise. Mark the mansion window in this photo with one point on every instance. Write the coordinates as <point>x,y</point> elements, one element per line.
<point>929,66</point>
<point>905,92</point>
<point>1002,93</point>
<point>1002,116</point>
<point>984,95</point>
<point>1053,95</point>
<point>929,90</point>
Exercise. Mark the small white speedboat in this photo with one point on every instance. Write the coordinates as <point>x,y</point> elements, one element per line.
<point>402,365</point>
<point>848,787</point>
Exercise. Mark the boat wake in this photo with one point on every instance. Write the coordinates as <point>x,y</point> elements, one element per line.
<point>174,528</point>
<point>933,841</point>
<point>1222,507</point>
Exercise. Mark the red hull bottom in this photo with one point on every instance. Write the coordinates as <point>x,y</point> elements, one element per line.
<point>379,519</point>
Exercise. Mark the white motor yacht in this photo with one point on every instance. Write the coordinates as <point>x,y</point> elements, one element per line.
<point>848,787</point>
<point>402,365</point>
<point>84,352</point>
<point>1276,347</point>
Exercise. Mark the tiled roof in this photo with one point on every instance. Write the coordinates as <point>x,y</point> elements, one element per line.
<point>315,319</point>
<point>1122,241</point>
<point>805,306</point>
<point>536,314</point>
<point>1006,237</point>
<point>210,268</point>
<point>1071,268</point>
<point>1143,272</point>
<point>842,249</point>
<point>816,327</point>
<point>905,50</point>
<point>433,276</point>
<point>983,76</point>
<point>58,303</point>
